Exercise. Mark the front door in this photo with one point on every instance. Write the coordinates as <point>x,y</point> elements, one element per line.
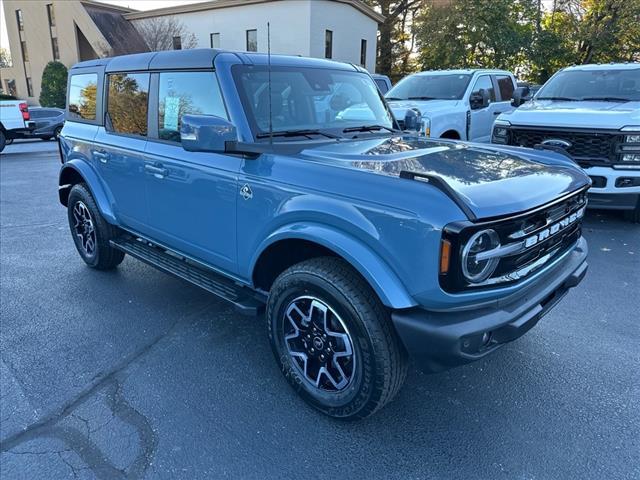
<point>118,148</point>
<point>481,121</point>
<point>191,195</point>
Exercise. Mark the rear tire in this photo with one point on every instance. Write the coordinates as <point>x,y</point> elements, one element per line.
<point>333,339</point>
<point>90,231</point>
<point>634,215</point>
<point>56,133</point>
<point>3,140</point>
<point>46,139</point>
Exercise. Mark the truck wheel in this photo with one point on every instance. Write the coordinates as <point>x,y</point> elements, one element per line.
<point>3,140</point>
<point>634,215</point>
<point>333,339</point>
<point>91,232</point>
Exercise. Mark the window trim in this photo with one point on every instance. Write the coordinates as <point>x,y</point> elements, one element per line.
<point>106,104</point>
<point>154,102</point>
<point>328,45</point>
<point>247,39</point>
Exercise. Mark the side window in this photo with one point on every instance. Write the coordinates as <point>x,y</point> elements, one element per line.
<point>484,82</point>
<point>382,85</point>
<point>127,103</point>
<point>82,96</point>
<point>505,84</point>
<point>186,92</point>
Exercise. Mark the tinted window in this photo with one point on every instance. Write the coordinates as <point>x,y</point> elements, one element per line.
<point>127,103</point>
<point>382,85</point>
<point>186,92</point>
<point>506,87</point>
<point>484,82</point>
<point>82,96</point>
<point>428,87</point>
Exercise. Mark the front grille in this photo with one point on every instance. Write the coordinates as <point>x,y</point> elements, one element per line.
<point>587,148</point>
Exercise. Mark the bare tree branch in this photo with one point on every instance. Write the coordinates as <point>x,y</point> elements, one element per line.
<point>158,33</point>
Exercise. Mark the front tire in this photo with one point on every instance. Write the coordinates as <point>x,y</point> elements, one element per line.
<point>333,339</point>
<point>91,232</point>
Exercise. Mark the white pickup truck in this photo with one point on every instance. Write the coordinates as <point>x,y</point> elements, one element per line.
<point>456,104</point>
<point>14,119</point>
<point>593,113</point>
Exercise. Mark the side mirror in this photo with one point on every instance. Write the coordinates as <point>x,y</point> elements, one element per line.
<point>412,120</point>
<point>479,99</point>
<point>519,96</point>
<point>206,133</point>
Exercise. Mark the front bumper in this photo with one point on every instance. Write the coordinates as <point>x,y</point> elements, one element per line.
<point>441,340</point>
<point>613,188</point>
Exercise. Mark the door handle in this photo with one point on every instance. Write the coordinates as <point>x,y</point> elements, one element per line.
<point>158,172</point>
<point>497,113</point>
<point>102,156</point>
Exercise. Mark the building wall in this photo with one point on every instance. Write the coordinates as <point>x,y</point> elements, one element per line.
<point>68,14</point>
<point>349,27</point>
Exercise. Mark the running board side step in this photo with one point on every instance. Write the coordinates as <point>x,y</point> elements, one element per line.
<point>246,300</point>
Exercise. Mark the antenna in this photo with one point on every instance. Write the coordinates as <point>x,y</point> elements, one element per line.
<point>269,82</point>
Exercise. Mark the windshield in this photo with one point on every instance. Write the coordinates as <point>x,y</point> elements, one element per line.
<point>606,85</point>
<point>310,100</point>
<point>430,87</point>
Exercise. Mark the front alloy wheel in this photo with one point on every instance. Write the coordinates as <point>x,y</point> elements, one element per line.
<point>319,344</point>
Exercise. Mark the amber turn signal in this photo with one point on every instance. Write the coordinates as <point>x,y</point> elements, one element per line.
<point>445,256</point>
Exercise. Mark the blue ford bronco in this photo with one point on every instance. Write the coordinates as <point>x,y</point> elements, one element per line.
<point>283,185</point>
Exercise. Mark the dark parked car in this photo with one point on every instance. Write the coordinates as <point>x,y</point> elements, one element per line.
<point>48,122</point>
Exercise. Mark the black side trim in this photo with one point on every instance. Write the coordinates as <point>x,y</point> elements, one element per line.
<point>444,187</point>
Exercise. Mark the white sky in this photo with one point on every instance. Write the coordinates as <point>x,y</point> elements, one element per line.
<point>135,4</point>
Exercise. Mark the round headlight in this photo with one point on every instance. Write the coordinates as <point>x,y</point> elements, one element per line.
<point>475,270</point>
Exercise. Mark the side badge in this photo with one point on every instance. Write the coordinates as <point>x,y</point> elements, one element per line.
<point>246,192</point>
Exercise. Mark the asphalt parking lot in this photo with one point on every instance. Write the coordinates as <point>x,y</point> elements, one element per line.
<point>135,374</point>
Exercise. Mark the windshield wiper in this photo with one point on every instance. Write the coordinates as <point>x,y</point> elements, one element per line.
<point>608,99</point>
<point>562,99</point>
<point>423,98</point>
<point>369,128</point>
<point>297,133</point>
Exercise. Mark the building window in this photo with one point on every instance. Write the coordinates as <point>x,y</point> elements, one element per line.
<point>29,87</point>
<point>363,53</point>
<point>328,44</point>
<point>25,53</point>
<point>215,40</point>
<point>127,103</point>
<point>186,92</point>
<point>82,96</point>
<point>11,87</point>
<point>51,15</point>
<point>252,40</point>
<point>177,43</point>
<point>20,20</point>
<point>54,47</point>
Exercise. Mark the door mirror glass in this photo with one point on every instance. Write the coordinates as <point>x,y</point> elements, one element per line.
<point>519,96</point>
<point>206,133</point>
<point>479,99</point>
<point>412,120</point>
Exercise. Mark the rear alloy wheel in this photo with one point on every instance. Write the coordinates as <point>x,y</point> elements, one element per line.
<point>91,232</point>
<point>333,339</point>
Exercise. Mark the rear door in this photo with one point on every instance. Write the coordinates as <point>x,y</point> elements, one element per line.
<point>118,148</point>
<point>505,86</point>
<point>191,195</point>
<point>481,120</point>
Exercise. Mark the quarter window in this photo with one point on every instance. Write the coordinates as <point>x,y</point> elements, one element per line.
<point>252,40</point>
<point>484,82</point>
<point>82,96</point>
<point>506,87</point>
<point>186,92</point>
<point>127,103</point>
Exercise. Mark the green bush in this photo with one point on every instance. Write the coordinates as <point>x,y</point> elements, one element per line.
<point>54,85</point>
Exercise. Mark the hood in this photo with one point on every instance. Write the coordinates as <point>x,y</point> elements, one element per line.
<point>605,115</point>
<point>488,181</point>
<point>400,107</point>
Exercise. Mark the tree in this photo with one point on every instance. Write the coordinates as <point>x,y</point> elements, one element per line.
<point>54,85</point>
<point>476,34</point>
<point>394,49</point>
<point>5,58</point>
<point>159,32</point>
